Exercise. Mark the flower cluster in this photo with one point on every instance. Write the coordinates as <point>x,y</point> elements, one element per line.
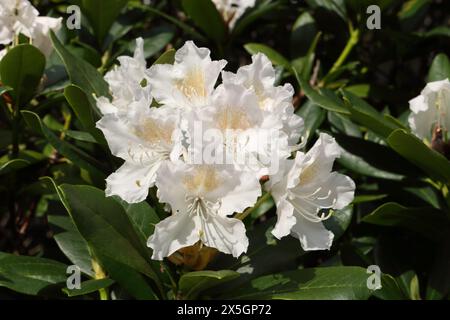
<point>20,17</point>
<point>206,147</point>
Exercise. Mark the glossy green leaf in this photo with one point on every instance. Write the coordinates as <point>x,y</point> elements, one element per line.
<point>128,278</point>
<point>72,243</point>
<point>89,286</point>
<point>30,275</point>
<point>83,109</point>
<point>320,99</point>
<point>106,227</point>
<point>206,17</point>
<point>76,155</point>
<point>193,283</point>
<point>81,73</point>
<point>440,68</point>
<point>331,283</point>
<point>415,151</point>
<point>167,57</point>
<point>21,69</point>
<point>429,222</point>
<point>102,14</point>
<point>275,57</point>
<point>366,115</point>
<point>143,217</point>
<point>313,115</point>
<point>12,165</point>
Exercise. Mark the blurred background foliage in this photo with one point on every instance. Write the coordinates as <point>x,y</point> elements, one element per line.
<point>349,80</point>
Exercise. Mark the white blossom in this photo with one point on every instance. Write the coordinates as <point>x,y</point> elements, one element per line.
<point>145,138</point>
<point>430,109</point>
<point>20,17</point>
<point>202,197</point>
<point>189,82</point>
<point>304,188</point>
<point>274,100</point>
<point>127,82</point>
<point>244,134</point>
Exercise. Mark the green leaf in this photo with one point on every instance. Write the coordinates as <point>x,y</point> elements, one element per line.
<point>156,41</point>
<point>89,286</point>
<point>193,283</point>
<point>440,68</point>
<point>303,34</point>
<point>390,289</point>
<point>21,69</point>
<point>205,15</point>
<point>366,115</point>
<point>331,283</point>
<point>83,109</point>
<point>167,57</point>
<point>339,221</point>
<point>415,151</point>
<point>429,222</point>
<point>263,9</point>
<point>143,217</point>
<point>313,115</point>
<point>275,57</point>
<point>128,278</point>
<point>101,14</point>
<point>76,155</point>
<point>13,165</point>
<point>81,73</point>
<point>173,20</point>
<point>72,243</point>
<point>106,227</point>
<point>321,99</point>
<point>336,6</point>
<point>358,156</point>
<point>30,275</point>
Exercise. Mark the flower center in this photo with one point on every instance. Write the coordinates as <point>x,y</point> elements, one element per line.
<point>155,133</point>
<point>204,179</point>
<point>232,119</point>
<point>193,85</point>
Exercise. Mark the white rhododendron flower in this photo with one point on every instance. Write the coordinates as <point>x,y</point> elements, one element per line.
<point>277,101</point>
<point>144,138</point>
<point>430,109</point>
<point>246,118</point>
<point>189,82</point>
<point>20,17</point>
<point>251,138</point>
<point>202,197</point>
<point>128,82</point>
<point>304,189</point>
<point>232,10</point>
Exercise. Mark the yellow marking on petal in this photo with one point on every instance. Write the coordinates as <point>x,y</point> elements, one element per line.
<point>153,132</point>
<point>193,84</point>
<point>309,173</point>
<point>233,119</point>
<point>204,178</point>
<point>138,183</point>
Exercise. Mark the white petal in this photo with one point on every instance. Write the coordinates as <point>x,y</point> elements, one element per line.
<point>171,234</point>
<point>131,182</point>
<point>225,234</point>
<point>312,235</point>
<point>243,195</point>
<point>285,219</point>
<point>187,83</point>
<point>317,164</point>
